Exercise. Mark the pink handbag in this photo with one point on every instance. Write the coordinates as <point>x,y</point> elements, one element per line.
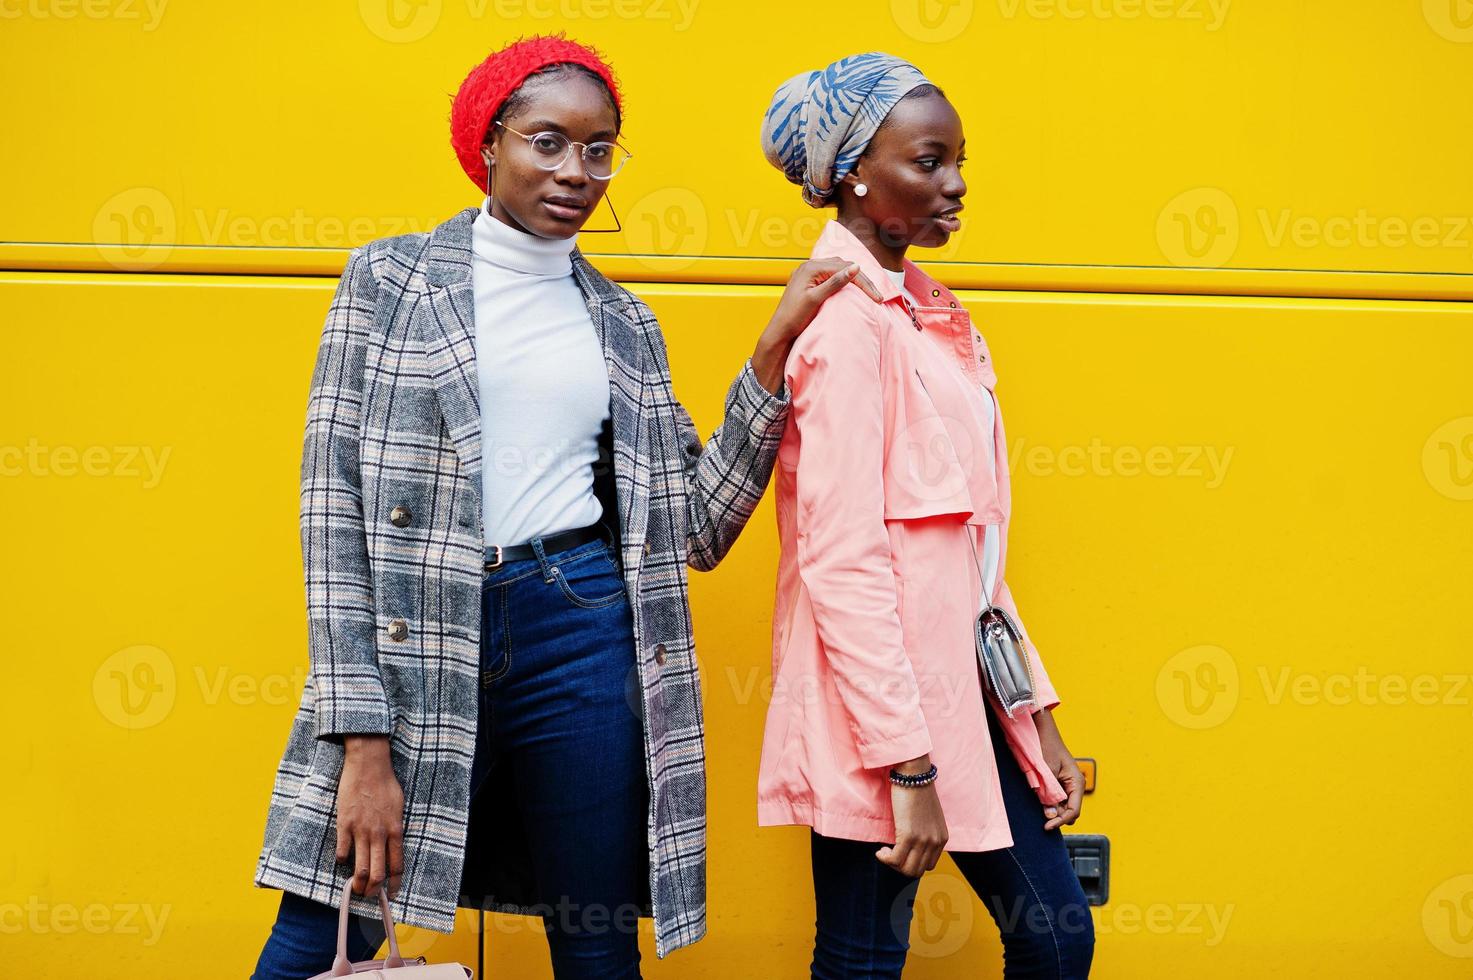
<point>414,969</point>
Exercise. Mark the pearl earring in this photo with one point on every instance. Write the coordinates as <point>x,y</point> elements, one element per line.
<point>860,190</point>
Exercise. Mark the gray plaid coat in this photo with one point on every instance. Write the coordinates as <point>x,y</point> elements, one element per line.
<point>393,420</point>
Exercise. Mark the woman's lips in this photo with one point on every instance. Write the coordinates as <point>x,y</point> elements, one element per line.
<point>563,210</point>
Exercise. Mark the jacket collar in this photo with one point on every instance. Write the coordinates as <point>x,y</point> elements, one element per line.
<point>448,254</point>
<point>838,241</point>
<point>448,264</point>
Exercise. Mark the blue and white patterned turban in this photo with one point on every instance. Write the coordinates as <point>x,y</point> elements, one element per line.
<point>821,121</point>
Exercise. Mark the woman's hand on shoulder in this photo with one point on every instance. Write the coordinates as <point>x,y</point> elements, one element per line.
<point>810,284</point>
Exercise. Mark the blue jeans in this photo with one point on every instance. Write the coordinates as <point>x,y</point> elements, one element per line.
<point>559,731</point>
<point>1030,889</point>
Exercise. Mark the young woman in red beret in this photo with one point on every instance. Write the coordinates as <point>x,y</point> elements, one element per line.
<point>501,496</point>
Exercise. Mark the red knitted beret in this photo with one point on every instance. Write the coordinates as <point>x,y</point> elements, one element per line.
<point>501,74</point>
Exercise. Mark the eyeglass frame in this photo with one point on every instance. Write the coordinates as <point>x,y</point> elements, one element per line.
<point>571,143</point>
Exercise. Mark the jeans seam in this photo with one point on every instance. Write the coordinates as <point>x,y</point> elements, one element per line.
<point>1058,953</point>
<point>557,574</point>
<point>874,897</point>
<point>490,677</point>
<point>487,583</point>
<point>506,632</point>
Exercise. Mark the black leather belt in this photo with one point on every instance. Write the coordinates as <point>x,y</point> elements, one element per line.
<point>498,555</point>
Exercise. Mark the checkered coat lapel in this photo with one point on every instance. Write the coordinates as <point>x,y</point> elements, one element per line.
<point>394,422</point>
<point>448,332</point>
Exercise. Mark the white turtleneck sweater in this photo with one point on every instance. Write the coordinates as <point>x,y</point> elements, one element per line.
<point>544,384</point>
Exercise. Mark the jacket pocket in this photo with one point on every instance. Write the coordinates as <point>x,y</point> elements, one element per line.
<point>925,470</point>
<point>591,580</point>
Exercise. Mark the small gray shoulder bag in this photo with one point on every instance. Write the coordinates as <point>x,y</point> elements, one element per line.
<point>1000,648</point>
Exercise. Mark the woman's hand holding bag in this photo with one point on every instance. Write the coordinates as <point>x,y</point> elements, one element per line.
<point>394,966</point>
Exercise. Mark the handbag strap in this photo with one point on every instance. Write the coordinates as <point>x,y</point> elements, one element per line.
<point>341,966</point>
<point>981,575</point>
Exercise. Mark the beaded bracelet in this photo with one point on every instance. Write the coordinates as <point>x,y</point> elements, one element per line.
<point>919,779</point>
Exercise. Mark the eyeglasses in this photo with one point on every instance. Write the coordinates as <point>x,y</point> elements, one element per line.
<point>551,150</point>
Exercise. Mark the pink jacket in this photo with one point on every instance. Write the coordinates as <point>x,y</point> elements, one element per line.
<point>877,489</point>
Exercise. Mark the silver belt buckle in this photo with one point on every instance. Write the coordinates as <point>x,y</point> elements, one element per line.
<point>492,565</point>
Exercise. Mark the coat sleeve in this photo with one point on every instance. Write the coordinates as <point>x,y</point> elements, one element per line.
<point>843,548</point>
<point>1044,694</point>
<point>340,604</point>
<point>726,475</point>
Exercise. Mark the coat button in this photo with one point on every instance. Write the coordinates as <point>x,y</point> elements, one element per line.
<point>660,654</point>
<point>646,547</point>
<point>398,629</point>
<point>400,516</point>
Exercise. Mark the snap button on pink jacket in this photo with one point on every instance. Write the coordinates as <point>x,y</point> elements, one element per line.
<point>880,480</point>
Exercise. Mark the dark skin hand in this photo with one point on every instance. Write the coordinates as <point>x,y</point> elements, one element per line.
<point>1061,761</point>
<point>912,173</point>
<point>920,826</point>
<point>549,204</point>
<point>370,814</point>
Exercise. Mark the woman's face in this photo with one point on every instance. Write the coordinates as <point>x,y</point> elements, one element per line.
<point>550,203</point>
<point>912,169</point>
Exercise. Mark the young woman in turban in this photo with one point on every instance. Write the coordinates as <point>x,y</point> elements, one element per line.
<point>501,495</point>
<point>893,506</point>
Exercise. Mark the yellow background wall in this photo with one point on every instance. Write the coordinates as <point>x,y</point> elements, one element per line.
<point>1223,254</point>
